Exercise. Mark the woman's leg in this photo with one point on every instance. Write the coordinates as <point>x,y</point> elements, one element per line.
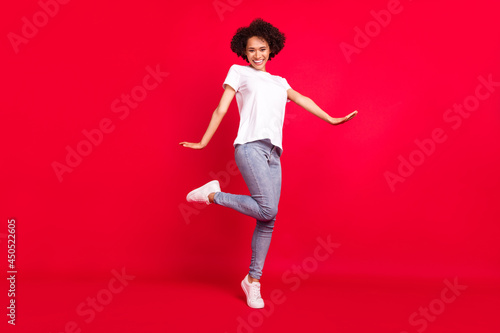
<point>257,162</point>
<point>262,234</point>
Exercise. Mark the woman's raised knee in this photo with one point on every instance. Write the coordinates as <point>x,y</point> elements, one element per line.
<point>269,213</point>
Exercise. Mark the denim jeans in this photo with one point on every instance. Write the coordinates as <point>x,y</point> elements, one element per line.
<point>259,164</point>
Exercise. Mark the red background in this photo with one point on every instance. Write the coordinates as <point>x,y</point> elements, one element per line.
<point>124,204</point>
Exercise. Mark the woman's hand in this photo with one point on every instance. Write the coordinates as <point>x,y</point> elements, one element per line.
<point>192,145</point>
<point>338,121</point>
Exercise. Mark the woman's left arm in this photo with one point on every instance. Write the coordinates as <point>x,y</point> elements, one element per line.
<point>313,108</point>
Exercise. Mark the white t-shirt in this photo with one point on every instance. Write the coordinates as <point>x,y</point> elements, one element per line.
<point>261,99</point>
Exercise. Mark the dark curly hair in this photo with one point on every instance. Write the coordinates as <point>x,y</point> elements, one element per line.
<point>258,28</point>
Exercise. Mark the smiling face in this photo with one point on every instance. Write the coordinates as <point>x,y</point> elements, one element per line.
<point>257,52</point>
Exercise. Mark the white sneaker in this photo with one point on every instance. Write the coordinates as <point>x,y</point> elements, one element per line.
<point>252,290</point>
<point>201,193</point>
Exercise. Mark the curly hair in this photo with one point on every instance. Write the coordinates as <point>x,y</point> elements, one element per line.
<point>258,28</point>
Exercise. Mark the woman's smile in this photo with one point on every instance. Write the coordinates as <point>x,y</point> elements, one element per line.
<point>257,52</point>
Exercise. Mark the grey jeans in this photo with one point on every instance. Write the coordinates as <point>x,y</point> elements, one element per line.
<point>259,164</point>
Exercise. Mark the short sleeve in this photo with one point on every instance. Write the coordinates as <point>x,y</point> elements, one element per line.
<point>232,78</point>
<point>285,84</point>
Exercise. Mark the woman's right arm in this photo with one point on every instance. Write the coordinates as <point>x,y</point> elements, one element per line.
<point>217,116</point>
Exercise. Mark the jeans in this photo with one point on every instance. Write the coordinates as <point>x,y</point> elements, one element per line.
<point>259,164</point>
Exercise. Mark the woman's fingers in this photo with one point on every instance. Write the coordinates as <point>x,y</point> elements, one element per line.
<point>350,115</point>
<point>191,145</point>
<point>339,121</point>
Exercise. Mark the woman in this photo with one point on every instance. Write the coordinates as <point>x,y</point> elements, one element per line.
<point>261,99</point>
